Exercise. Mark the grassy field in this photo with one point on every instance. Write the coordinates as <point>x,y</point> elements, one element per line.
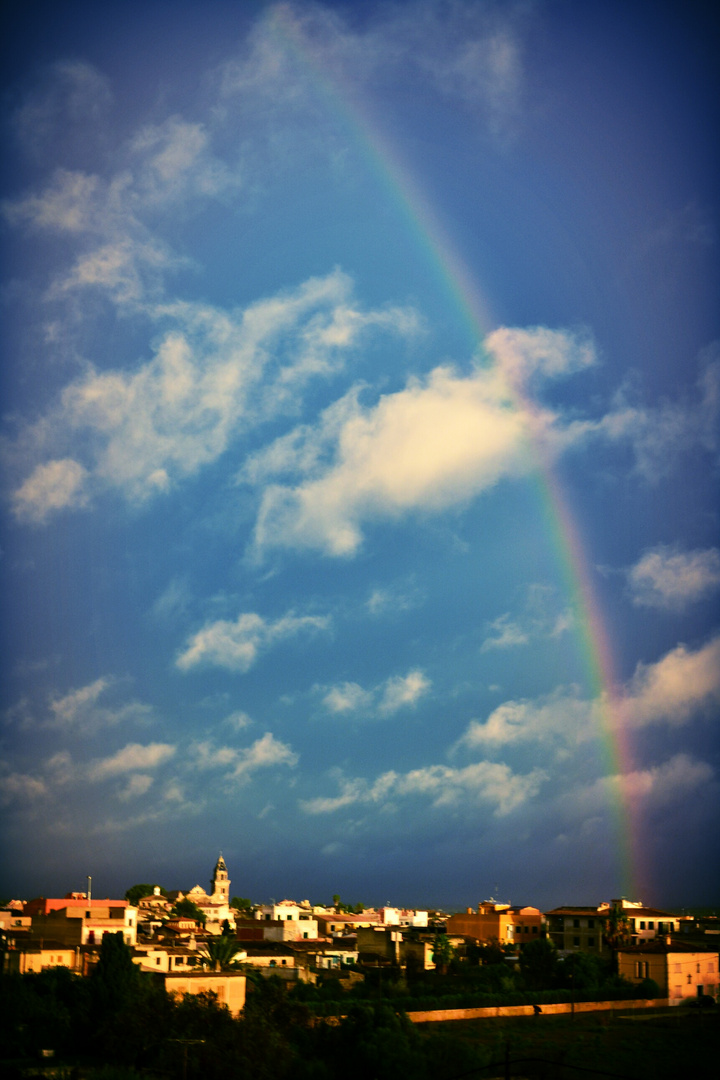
<point>672,1044</point>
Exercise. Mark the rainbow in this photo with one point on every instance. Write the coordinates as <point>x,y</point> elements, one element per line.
<point>456,280</point>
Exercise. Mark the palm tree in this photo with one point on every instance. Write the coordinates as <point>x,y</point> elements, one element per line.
<point>219,952</point>
<point>442,952</point>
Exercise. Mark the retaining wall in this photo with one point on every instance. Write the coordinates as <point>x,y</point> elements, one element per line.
<point>547,1010</point>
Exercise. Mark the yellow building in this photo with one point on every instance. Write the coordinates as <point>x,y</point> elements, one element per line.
<point>497,922</point>
<point>679,971</point>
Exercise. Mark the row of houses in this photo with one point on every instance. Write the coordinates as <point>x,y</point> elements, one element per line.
<point>299,940</point>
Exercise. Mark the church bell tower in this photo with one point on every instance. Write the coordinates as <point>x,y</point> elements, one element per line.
<point>220,883</point>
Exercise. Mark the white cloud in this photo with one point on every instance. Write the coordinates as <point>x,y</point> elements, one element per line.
<point>215,375</point>
<point>542,617</point>
<point>385,699</point>
<point>79,711</point>
<point>20,787</point>
<point>402,691</point>
<point>67,709</point>
<point>238,720</point>
<point>348,697</point>
<point>239,763</point>
<point>394,599</point>
<point>505,634</point>
<point>679,685</point>
<point>236,645</point>
<point>438,443</point>
<point>484,782</point>
<point>561,715</point>
<point>665,577</point>
<point>138,784</point>
<point>133,757</point>
<point>56,485</point>
<point>264,753</point>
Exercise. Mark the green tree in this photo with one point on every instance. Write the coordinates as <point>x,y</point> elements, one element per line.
<point>616,928</point>
<point>185,909</point>
<point>581,971</point>
<point>115,978</point>
<point>538,964</point>
<point>136,892</point>
<point>243,905</point>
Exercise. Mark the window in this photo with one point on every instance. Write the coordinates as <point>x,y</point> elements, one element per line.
<point>591,924</point>
<point>711,969</point>
<point>576,941</point>
<point>651,925</point>
<point>697,968</point>
<point>576,922</point>
<point>689,978</point>
<point>677,969</point>
<point>642,924</point>
<point>158,960</point>
<point>591,942</point>
<point>534,929</point>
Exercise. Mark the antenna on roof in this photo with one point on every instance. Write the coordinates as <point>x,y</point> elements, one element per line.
<point>89,891</point>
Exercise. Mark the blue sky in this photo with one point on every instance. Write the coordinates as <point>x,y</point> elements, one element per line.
<point>308,308</point>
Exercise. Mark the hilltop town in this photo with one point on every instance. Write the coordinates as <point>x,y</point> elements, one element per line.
<point>202,941</point>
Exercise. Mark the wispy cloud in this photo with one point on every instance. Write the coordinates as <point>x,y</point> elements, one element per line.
<point>442,786</point>
<point>666,577</point>
<point>385,699</point>
<point>468,53</point>
<point>237,645</point>
<point>214,377</point>
<point>81,712</point>
<point>132,758</point>
<point>18,787</point>
<point>240,763</point>
<point>542,617</point>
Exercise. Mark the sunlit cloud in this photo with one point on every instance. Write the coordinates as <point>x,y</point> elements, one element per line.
<point>237,645</point>
<point>133,757</point>
<point>385,699</point>
<point>669,578</point>
<point>679,685</point>
<point>264,753</point>
<point>442,786</point>
<point>56,485</point>
<point>562,715</point>
<point>436,444</point>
